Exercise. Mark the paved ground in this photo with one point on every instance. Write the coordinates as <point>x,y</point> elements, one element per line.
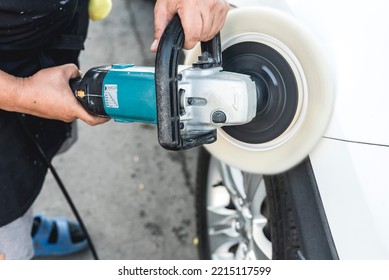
<point>135,197</point>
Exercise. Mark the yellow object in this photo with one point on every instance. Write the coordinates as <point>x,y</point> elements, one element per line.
<point>196,241</point>
<point>99,9</point>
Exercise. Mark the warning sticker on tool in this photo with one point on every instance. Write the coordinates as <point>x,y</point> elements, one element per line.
<point>111,96</point>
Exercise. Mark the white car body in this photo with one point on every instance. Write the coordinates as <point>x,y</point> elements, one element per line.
<point>350,160</point>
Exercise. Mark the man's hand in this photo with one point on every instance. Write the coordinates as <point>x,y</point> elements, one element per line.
<point>2,256</point>
<point>201,19</point>
<point>47,94</point>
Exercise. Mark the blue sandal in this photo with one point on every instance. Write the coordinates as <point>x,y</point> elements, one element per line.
<point>53,237</point>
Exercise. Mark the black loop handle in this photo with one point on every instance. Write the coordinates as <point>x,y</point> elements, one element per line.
<point>166,65</point>
<point>166,83</point>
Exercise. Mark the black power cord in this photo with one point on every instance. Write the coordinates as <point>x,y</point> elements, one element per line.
<point>61,186</point>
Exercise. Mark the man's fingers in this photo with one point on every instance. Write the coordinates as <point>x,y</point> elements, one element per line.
<point>201,19</point>
<point>213,22</point>
<point>192,23</point>
<point>71,70</point>
<point>203,23</point>
<point>154,45</point>
<point>93,120</point>
<point>83,115</point>
<point>162,16</point>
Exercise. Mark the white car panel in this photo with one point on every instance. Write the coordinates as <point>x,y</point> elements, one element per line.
<point>356,35</point>
<point>352,179</point>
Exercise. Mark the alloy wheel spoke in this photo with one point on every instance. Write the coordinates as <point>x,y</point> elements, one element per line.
<point>257,197</point>
<point>232,181</point>
<point>261,245</point>
<point>241,251</point>
<point>222,243</point>
<point>252,184</point>
<point>221,221</point>
<point>225,251</point>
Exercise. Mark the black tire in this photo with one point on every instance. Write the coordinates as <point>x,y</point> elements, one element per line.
<point>201,205</point>
<point>276,207</point>
<point>284,236</point>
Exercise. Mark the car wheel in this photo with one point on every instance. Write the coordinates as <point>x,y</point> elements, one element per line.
<point>242,215</point>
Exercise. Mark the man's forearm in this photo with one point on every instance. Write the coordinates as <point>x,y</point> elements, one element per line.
<point>10,88</point>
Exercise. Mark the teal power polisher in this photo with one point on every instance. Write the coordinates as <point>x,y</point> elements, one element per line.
<point>187,103</point>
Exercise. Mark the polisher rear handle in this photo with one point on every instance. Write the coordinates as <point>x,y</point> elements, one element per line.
<point>167,92</point>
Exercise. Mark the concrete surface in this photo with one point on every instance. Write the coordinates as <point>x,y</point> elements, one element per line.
<point>135,197</point>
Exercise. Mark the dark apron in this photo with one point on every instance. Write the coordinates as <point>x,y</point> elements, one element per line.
<point>33,35</point>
